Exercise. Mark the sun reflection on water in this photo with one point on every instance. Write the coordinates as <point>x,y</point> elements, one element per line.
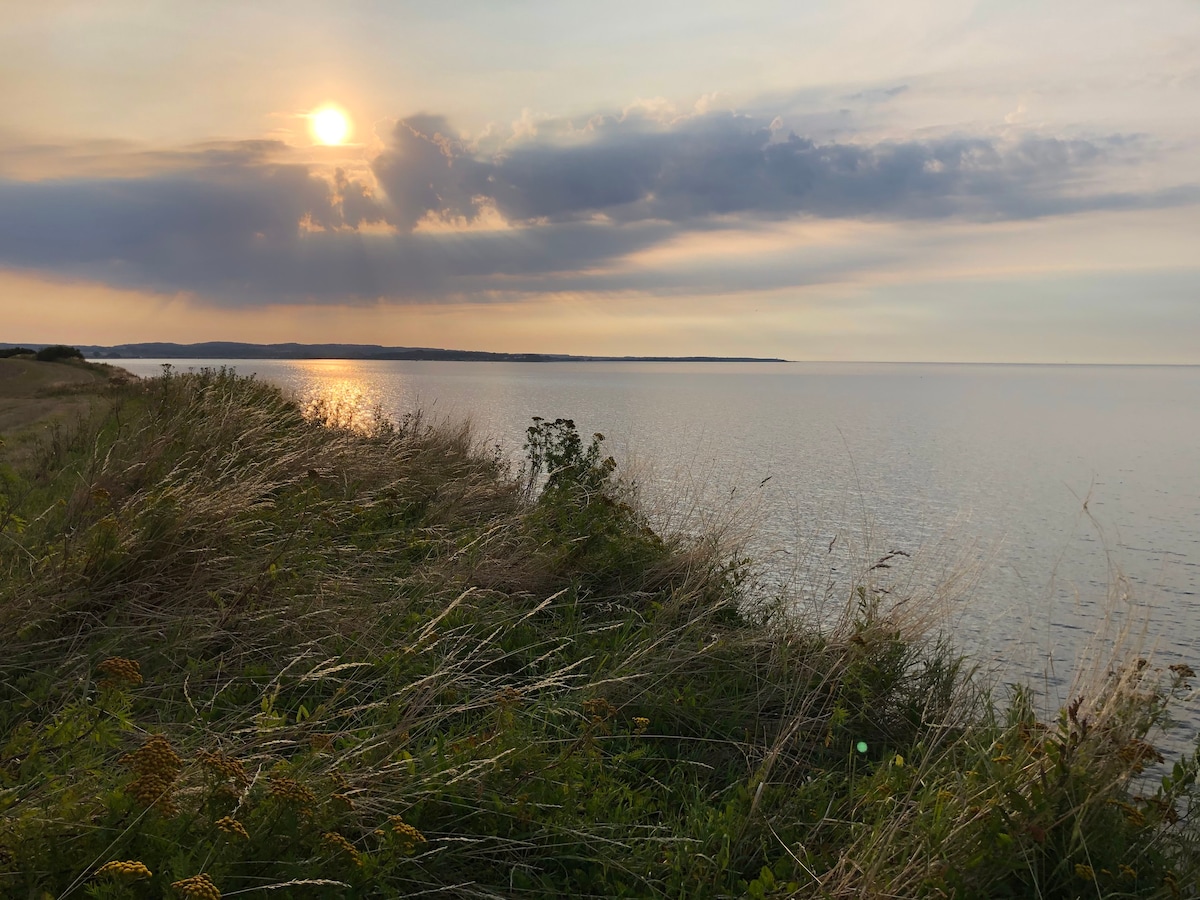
<point>336,393</point>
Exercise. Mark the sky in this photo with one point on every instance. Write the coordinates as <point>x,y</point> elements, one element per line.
<point>926,180</point>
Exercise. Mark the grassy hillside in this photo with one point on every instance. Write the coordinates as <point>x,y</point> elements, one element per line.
<point>249,651</point>
<point>35,395</point>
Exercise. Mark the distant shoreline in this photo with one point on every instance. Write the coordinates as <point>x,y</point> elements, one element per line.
<point>291,351</point>
<point>233,350</point>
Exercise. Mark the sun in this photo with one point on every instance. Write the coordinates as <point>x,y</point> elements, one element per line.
<point>329,125</point>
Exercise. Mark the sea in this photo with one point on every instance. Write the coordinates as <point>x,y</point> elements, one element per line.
<point>1048,514</point>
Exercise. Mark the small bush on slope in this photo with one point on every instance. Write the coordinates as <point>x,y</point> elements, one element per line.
<point>269,649</point>
<point>57,352</point>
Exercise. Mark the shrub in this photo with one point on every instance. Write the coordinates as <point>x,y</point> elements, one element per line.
<point>583,518</point>
<point>57,352</point>
<point>8,352</point>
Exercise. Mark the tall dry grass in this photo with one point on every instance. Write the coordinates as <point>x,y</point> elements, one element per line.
<point>380,666</point>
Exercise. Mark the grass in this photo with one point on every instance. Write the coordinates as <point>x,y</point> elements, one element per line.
<point>36,398</point>
<point>253,651</point>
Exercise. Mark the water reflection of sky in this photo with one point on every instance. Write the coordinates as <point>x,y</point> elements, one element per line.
<point>960,465</point>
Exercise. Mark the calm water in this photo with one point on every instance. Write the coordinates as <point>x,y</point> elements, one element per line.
<point>1039,481</point>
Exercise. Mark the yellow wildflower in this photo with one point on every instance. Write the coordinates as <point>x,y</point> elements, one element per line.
<point>640,724</point>
<point>230,825</point>
<point>156,765</point>
<point>119,671</point>
<point>128,868</point>
<point>407,833</point>
<point>291,791</point>
<point>1087,873</point>
<point>338,842</point>
<point>198,887</point>
<point>224,765</point>
<point>599,709</point>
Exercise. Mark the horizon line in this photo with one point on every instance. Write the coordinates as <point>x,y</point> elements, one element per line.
<point>587,357</point>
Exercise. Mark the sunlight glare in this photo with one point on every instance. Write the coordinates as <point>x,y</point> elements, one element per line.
<point>330,125</point>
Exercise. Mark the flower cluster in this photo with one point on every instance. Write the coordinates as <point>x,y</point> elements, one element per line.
<point>599,709</point>
<point>290,791</point>
<point>1136,753</point>
<point>343,786</point>
<point>600,714</point>
<point>198,887</point>
<point>407,833</point>
<point>508,697</point>
<point>119,672</point>
<point>640,724</point>
<point>129,868</point>
<point>156,765</point>
<point>230,825</point>
<point>225,766</point>
<point>337,842</point>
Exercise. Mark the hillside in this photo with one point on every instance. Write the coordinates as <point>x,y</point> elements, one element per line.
<point>251,651</point>
<point>35,395</point>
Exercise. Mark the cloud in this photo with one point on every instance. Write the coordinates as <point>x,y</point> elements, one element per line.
<point>240,224</point>
<point>879,95</point>
<point>633,167</point>
<point>243,234</point>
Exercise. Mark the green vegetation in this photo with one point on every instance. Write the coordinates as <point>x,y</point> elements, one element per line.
<point>57,352</point>
<point>38,400</point>
<point>250,650</point>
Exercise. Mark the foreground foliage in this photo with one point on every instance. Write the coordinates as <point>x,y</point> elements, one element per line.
<point>248,647</point>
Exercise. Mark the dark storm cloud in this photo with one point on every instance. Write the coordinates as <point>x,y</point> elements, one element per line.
<point>237,224</point>
<point>245,234</point>
<point>632,168</point>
